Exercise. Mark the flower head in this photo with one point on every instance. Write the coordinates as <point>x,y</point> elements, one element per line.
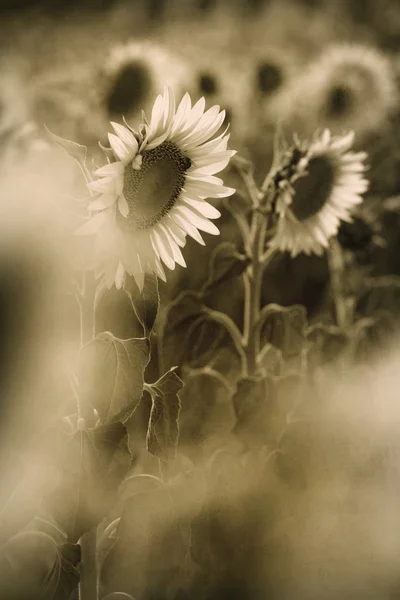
<point>134,71</point>
<point>349,86</point>
<point>153,194</point>
<point>316,187</point>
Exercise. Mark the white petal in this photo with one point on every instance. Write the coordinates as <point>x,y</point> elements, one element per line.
<point>111,169</point>
<point>174,248</point>
<point>344,143</point>
<point>203,207</point>
<point>211,159</point>
<point>123,206</point>
<point>139,278</point>
<point>160,271</point>
<point>169,110</point>
<point>119,276</point>
<point>157,141</point>
<point>119,148</point>
<point>162,249</point>
<point>102,186</point>
<point>211,168</point>
<point>207,190</point>
<point>202,134</point>
<point>126,136</point>
<point>177,234</point>
<point>187,227</point>
<point>197,220</point>
<point>103,202</point>
<point>181,113</point>
<point>157,114</point>
<point>204,179</point>
<point>192,119</point>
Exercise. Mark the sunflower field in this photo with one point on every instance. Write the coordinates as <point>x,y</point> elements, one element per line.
<point>200,300</point>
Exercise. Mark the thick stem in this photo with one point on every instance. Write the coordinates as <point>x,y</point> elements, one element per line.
<point>336,271</point>
<point>88,586</point>
<point>252,297</point>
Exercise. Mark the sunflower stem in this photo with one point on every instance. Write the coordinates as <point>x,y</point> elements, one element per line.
<point>88,586</point>
<point>253,278</point>
<point>336,272</point>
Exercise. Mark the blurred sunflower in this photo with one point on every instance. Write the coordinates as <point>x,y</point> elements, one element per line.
<point>350,86</point>
<point>153,194</point>
<point>316,187</point>
<point>134,71</point>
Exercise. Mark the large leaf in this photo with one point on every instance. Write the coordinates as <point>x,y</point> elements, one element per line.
<point>252,404</point>
<point>94,464</point>
<point>283,327</point>
<point>380,294</point>
<point>262,406</point>
<point>110,372</point>
<point>75,150</point>
<point>145,303</point>
<point>206,409</point>
<point>191,332</point>
<point>270,360</point>
<point>163,430</point>
<point>326,344</point>
<point>225,263</point>
<point>371,337</point>
<point>29,567</point>
<point>202,340</point>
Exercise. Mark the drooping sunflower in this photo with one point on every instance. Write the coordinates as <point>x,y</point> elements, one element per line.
<point>317,186</point>
<point>153,194</point>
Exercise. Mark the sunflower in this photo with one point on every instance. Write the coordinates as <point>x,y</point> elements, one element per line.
<point>349,86</point>
<point>153,194</point>
<point>316,187</point>
<point>134,71</point>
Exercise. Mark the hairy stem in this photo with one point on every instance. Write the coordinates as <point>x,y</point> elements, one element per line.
<point>336,269</point>
<point>88,586</point>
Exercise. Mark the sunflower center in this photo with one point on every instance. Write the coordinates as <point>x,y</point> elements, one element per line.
<point>313,190</point>
<point>130,89</point>
<point>152,190</point>
<point>340,101</point>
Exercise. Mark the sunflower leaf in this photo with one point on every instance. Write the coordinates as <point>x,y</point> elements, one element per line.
<point>145,303</point>
<point>371,336</point>
<point>262,406</point>
<point>206,407</point>
<point>178,318</point>
<point>226,263</point>
<point>283,327</point>
<point>380,293</point>
<point>163,429</point>
<point>110,373</point>
<point>29,566</point>
<point>75,150</point>
<point>191,332</point>
<point>327,344</point>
